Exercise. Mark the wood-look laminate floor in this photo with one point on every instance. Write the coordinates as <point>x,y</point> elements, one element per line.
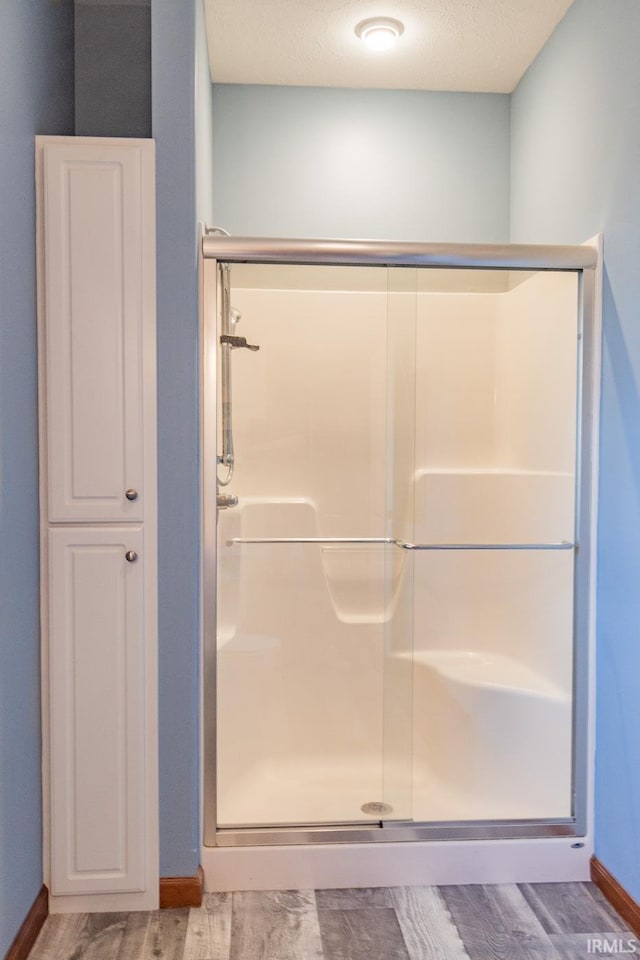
<point>553,921</point>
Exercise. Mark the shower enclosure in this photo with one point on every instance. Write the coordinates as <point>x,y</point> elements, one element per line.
<point>398,550</point>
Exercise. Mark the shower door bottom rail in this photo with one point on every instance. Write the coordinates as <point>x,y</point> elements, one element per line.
<point>394,831</point>
<point>405,544</point>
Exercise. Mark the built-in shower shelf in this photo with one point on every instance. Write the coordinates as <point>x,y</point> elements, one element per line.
<point>489,671</point>
<point>496,504</point>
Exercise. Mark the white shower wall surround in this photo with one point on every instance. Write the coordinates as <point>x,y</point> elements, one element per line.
<point>428,407</point>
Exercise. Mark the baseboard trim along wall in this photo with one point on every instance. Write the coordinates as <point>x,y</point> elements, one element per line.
<point>617,896</point>
<point>28,932</point>
<point>182,891</point>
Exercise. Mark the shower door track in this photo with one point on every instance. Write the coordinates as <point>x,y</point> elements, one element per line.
<point>376,253</point>
<point>580,259</point>
<point>394,831</point>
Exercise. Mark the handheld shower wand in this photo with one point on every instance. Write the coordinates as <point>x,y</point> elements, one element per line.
<point>226,458</point>
<point>228,342</point>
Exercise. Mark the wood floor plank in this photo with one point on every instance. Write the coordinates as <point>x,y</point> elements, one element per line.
<point>350,899</point>
<point>166,935</point>
<point>136,932</point>
<point>608,908</point>
<point>97,936</point>
<point>275,925</point>
<point>209,929</point>
<point>427,926</point>
<point>362,934</point>
<point>496,923</point>
<point>583,946</point>
<point>58,937</point>
<point>569,908</point>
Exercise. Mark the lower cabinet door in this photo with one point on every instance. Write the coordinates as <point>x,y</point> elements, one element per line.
<point>97,709</point>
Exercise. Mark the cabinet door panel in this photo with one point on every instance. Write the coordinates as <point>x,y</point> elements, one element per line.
<point>97,260</point>
<point>97,709</point>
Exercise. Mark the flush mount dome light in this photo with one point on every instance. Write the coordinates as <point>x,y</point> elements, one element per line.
<point>379,33</point>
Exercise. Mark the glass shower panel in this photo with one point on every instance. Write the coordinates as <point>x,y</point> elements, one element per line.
<point>299,695</point>
<point>395,582</point>
<point>304,557</point>
<point>496,389</point>
<point>400,491</point>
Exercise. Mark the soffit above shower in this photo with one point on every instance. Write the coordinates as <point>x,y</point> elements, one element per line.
<point>465,45</point>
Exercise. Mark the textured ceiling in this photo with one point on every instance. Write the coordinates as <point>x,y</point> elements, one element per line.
<point>479,45</point>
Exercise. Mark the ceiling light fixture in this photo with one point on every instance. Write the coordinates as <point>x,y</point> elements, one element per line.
<point>379,33</point>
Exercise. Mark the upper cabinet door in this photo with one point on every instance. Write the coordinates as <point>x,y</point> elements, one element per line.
<point>99,308</point>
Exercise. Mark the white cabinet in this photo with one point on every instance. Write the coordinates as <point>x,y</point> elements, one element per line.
<point>97,288</point>
<point>96,664</point>
<point>97,388</point>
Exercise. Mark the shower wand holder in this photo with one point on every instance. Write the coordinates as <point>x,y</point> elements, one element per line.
<point>237,343</point>
<point>224,501</point>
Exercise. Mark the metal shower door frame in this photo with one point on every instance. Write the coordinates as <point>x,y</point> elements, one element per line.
<point>584,260</point>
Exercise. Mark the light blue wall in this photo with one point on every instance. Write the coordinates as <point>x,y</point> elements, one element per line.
<point>36,96</point>
<point>174,82</point>
<point>204,123</point>
<point>395,164</point>
<point>575,172</point>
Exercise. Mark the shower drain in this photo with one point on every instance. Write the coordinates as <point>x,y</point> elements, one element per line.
<point>376,808</point>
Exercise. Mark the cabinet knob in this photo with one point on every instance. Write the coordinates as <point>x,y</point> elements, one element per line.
<point>131,556</point>
<point>131,494</point>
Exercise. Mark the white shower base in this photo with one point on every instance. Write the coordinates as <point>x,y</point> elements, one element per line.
<point>476,773</point>
<point>289,789</point>
<point>302,792</point>
<point>422,863</point>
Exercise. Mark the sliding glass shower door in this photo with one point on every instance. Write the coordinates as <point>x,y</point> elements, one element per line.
<point>494,535</point>
<point>400,596</point>
<point>314,685</point>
